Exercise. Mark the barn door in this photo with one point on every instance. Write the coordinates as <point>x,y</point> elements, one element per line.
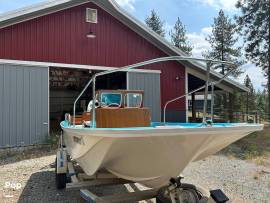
<point>150,83</point>
<point>24,105</point>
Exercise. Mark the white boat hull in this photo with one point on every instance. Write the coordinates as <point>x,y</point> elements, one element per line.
<point>150,157</point>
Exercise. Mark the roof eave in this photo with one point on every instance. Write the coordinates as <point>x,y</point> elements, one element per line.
<point>36,10</point>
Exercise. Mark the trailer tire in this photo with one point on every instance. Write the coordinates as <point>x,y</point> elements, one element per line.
<point>163,198</point>
<point>60,178</point>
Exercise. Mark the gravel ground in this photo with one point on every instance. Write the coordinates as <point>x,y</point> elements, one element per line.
<point>31,179</point>
<point>242,181</point>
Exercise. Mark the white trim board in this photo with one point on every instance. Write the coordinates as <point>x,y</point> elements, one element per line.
<point>73,66</point>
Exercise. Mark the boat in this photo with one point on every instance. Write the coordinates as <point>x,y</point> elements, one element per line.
<point>129,146</point>
<point>118,135</point>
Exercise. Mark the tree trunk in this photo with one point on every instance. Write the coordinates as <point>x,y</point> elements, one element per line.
<point>268,71</point>
<point>247,105</point>
<point>224,96</point>
<point>222,59</point>
<point>268,86</point>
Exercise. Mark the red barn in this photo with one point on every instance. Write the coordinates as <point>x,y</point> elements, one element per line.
<point>49,51</point>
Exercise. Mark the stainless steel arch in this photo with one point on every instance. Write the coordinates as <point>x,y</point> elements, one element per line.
<point>137,65</point>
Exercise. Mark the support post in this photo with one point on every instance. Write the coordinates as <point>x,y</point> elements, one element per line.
<point>212,102</point>
<point>94,103</point>
<point>256,117</point>
<point>247,105</point>
<point>231,104</point>
<point>206,92</point>
<point>193,107</point>
<point>243,109</point>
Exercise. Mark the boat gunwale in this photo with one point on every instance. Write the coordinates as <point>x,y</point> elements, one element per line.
<point>159,131</point>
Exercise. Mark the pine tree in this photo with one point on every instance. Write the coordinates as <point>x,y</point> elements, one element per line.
<point>251,99</point>
<point>254,24</point>
<point>222,41</point>
<point>155,23</point>
<point>261,102</point>
<point>179,38</point>
<point>239,104</point>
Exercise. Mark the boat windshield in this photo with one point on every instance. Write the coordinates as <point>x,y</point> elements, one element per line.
<point>133,100</point>
<point>108,99</point>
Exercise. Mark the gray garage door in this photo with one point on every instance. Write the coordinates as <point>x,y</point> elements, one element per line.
<point>150,83</point>
<point>24,105</point>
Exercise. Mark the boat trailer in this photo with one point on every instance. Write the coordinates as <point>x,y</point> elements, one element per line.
<point>69,176</point>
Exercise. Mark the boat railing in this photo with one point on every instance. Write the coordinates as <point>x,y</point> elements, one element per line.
<point>206,86</point>
<point>152,61</point>
<point>77,99</point>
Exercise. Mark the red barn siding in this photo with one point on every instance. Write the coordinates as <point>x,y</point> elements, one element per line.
<point>61,37</point>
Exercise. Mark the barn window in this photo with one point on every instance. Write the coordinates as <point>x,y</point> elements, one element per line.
<point>91,15</point>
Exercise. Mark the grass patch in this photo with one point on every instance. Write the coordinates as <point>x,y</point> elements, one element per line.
<point>6,153</point>
<point>13,155</point>
<point>255,146</point>
<point>53,139</point>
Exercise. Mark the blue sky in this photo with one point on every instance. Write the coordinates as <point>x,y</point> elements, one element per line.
<point>197,15</point>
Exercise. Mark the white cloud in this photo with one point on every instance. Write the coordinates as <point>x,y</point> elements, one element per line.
<point>198,41</point>
<point>207,30</point>
<point>255,74</point>
<point>228,5</point>
<point>127,4</point>
<point>168,27</point>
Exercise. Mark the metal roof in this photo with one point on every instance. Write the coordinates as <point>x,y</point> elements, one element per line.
<point>52,6</point>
